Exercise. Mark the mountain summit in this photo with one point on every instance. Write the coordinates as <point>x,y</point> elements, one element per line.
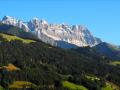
<point>61,35</point>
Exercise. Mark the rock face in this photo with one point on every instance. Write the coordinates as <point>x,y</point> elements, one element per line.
<point>9,20</point>
<point>23,26</point>
<point>12,21</point>
<point>54,34</point>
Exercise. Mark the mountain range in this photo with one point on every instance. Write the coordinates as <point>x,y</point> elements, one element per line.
<point>60,35</point>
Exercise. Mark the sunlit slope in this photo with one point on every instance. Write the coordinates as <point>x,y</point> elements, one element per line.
<point>11,38</point>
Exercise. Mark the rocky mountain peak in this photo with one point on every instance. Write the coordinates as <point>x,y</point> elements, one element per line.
<point>9,20</point>
<point>72,34</point>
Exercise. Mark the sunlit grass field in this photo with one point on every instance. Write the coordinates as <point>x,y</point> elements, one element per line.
<point>21,84</point>
<point>73,86</point>
<point>10,38</point>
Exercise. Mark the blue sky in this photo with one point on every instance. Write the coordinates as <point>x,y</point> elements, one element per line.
<point>101,17</point>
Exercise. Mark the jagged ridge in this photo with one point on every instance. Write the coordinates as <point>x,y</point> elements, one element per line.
<point>61,35</point>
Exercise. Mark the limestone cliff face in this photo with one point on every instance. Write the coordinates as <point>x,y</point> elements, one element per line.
<point>55,33</point>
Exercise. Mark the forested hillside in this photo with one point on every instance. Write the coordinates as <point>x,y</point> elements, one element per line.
<point>43,67</point>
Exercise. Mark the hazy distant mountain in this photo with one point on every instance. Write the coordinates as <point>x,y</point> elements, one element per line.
<point>61,35</point>
<point>112,51</point>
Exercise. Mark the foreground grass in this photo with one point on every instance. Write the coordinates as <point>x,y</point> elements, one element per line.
<point>110,86</point>
<point>73,86</point>
<point>1,88</point>
<point>10,38</point>
<point>21,84</point>
<point>115,63</point>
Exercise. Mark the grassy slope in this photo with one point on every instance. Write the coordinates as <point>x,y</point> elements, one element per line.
<point>110,86</point>
<point>115,63</point>
<point>21,84</point>
<point>1,88</point>
<point>10,38</point>
<point>73,86</point>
